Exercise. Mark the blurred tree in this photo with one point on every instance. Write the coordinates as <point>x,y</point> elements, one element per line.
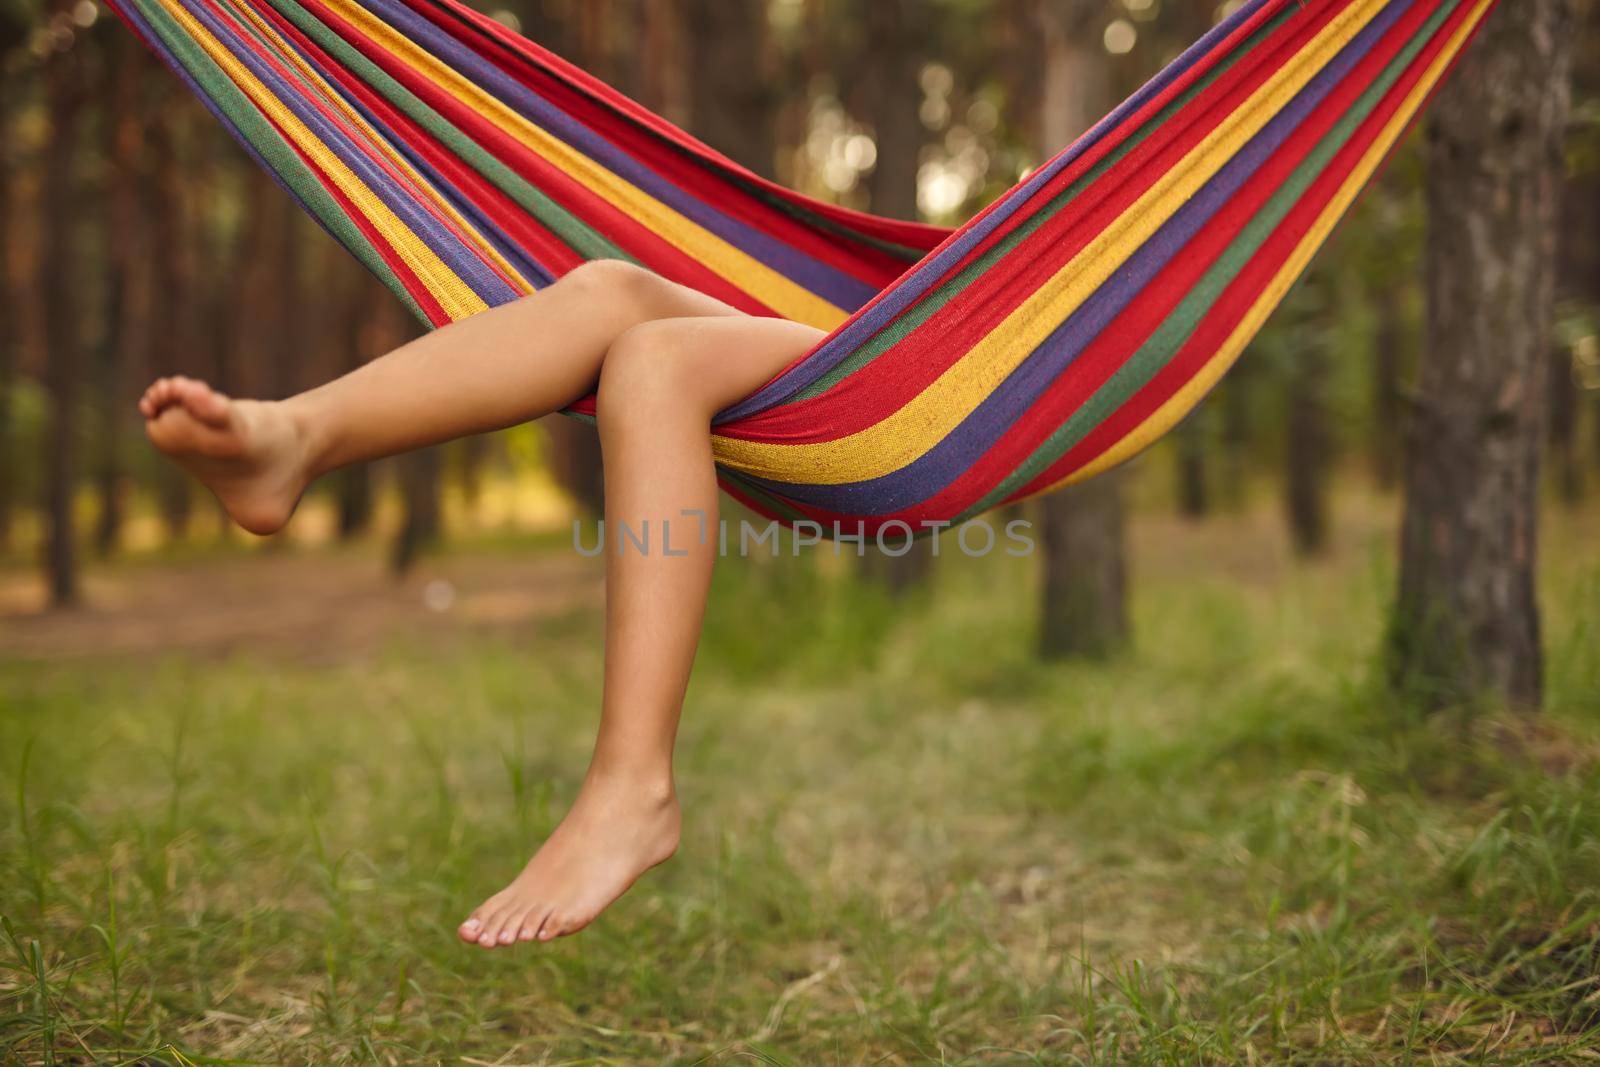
<point>1466,625</point>
<point>124,340</point>
<point>1565,458</point>
<point>1193,442</point>
<point>421,521</point>
<point>66,92</point>
<point>421,473</point>
<point>1084,557</point>
<point>1389,347</point>
<point>1300,337</point>
<point>10,336</point>
<point>14,27</point>
<point>1578,283</point>
<point>364,318</point>
<point>173,238</point>
<point>732,102</point>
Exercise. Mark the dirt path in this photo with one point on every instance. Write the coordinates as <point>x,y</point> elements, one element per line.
<point>313,605</point>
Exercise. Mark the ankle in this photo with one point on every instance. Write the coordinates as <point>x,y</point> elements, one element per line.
<point>308,434</point>
<point>650,782</point>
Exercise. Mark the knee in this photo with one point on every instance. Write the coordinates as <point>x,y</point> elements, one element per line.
<point>647,372</point>
<point>612,280</point>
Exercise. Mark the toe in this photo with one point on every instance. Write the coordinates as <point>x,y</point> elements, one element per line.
<point>574,923</point>
<point>206,403</point>
<point>473,928</point>
<point>493,925</point>
<point>533,926</point>
<point>516,925</point>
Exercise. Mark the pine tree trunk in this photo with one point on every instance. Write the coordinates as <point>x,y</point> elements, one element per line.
<point>64,98</point>
<point>421,522</point>
<point>10,343</point>
<point>1083,540</point>
<point>370,328</point>
<point>1194,488</point>
<point>731,102</point>
<point>171,240</point>
<point>1388,359</point>
<point>1466,625</point>
<point>1307,449</point>
<point>125,342</point>
<point>1563,436</point>
<point>420,473</point>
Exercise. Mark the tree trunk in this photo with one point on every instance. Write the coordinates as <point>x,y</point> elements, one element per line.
<point>1084,612</point>
<point>421,473</point>
<point>575,462</point>
<point>893,94</point>
<point>1388,359</point>
<point>1466,624</point>
<point>124,344</point>
<point>1563,404</point>
<point>10,344</point>
<point>372,325</point>
<point>171,239</point>
<point>1308,446</point>
<point>1085,571</point>
<point>421,523</point>
<point>64,98</point>
<point>1194,489</point>
<point>731,101</point>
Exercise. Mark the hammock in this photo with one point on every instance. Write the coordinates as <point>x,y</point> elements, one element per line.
<point>1057,334</point>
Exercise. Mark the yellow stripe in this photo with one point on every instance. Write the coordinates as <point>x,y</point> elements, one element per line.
<point>1195,390</point>
<point>453,294</point>
<point>421,185</point>
<point>750,275</point>
<point>900,438</point>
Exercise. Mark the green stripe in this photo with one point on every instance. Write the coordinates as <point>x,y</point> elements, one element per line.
<point>254,127</point>
<point>761,496</point>
<point>1173,333</point>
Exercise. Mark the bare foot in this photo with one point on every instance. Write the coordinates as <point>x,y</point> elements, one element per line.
<point>248,452</point>
<point>615,832</point>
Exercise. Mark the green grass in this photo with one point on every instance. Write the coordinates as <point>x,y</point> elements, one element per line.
<point>907,842</point>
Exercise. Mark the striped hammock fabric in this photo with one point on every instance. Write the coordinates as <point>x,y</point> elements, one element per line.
<point>1057,334</point>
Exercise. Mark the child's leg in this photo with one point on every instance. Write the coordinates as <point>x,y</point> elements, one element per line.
<point>662,374</point>
<point>659,387</point>
<point>505,366</point>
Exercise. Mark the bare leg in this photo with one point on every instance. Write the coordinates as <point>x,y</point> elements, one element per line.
<point>659,388</point>
<point>494,370</point>
<point>666,360</point>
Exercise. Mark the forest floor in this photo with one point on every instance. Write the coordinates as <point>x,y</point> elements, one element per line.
<point>244,798</point>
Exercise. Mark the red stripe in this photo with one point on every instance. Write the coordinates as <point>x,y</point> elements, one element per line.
<point>903,372</point>
<point>432,310</point>
<point>562,73</point>
<point>628,234</point>
<point>1242,294</point>
<point>670,160</point>
<point>311,97</point>
<point>517,224</point>
<point>1102,358</point>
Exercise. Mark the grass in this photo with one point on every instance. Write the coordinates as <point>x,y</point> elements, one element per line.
<point>907,842</point>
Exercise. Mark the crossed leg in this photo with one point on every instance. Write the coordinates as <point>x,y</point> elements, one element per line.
<point>665,359</point>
